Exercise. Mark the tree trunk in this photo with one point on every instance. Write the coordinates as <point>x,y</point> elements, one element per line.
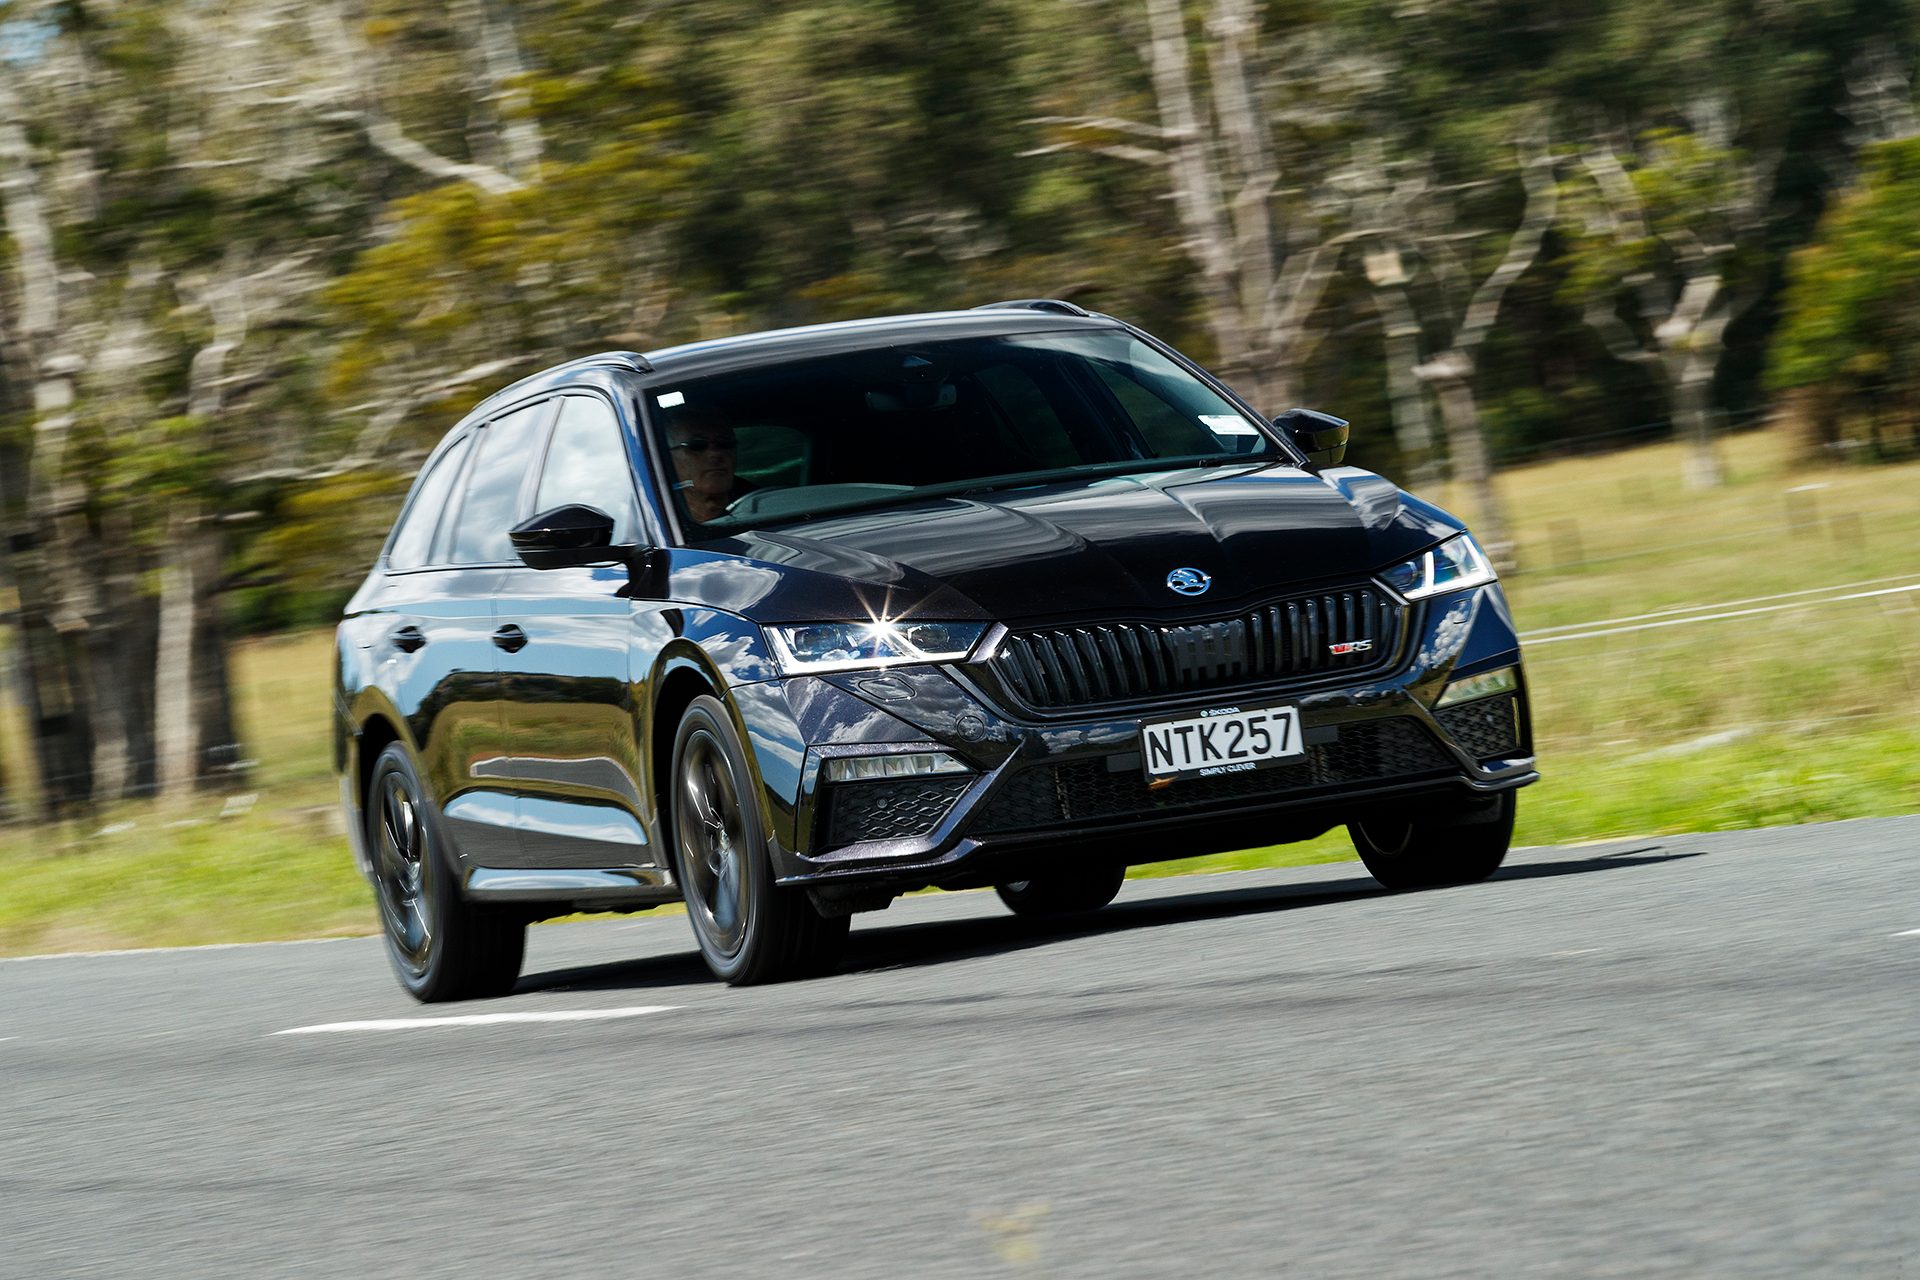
<point>52,699</point>
<point>1467,447</point>
<point>120,662</point>
<point>1412,423</point>
<point>194,724</point>
<point>7,810</point>
<point>217,747</point>
<point>173,703</point>
<point>55,705</point>
<point>1692,380</point>
<point>1209,239</point>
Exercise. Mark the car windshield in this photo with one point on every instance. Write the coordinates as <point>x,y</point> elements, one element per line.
<point>793,441</point>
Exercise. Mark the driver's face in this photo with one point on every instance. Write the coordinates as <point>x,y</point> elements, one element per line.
<point>703,456</point>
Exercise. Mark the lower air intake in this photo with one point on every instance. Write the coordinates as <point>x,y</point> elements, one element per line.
<point>1486,729</point>
<point>894,809</point>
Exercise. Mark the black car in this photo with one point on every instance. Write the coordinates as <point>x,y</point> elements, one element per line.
<point>788,624</point>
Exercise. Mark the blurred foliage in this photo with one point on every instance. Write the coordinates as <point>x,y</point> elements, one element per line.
<point>651,174</point>
<point>1850,338</point>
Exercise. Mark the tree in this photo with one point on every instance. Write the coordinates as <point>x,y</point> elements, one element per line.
<point>1671,225</point>
<point>1850,334</point>
<point>36,383</point>
<point>1433,294</point>
<point>1244,163</point>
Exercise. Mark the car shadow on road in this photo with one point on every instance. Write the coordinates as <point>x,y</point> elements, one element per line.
<point>939,942</point>
<point>682,969</point>
<point>875,946</point>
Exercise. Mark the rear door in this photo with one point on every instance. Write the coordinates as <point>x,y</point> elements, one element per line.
<point>469,762</point>
<point>428,650</point>
<point>569,693</point>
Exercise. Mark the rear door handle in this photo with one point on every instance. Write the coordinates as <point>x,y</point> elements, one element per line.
<point>408,639</point>
<point>510,638</point>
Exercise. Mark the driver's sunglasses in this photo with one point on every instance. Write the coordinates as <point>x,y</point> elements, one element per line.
<point>700,444</point>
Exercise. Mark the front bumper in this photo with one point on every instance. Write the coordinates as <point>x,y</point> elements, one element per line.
<point>1053,787</point>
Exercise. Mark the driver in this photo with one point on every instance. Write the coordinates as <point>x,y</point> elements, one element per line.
<point>703,449</point>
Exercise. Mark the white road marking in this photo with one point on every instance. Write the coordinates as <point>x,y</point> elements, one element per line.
<point>478,1019</point>
<point>169,951</point>
<point>1910,933</point>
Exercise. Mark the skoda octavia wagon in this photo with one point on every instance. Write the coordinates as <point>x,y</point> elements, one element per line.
<point>788,624</point>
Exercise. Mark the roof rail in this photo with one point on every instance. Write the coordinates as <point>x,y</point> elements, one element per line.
<point>1036,304</point>
<point>629,360</point>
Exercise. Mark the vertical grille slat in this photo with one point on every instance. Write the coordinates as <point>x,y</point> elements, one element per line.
<point>1286,639</point>
<point>1117,667</point>
<point>1028,668</point>
<point>1129,639</point>
<point>1063,693</point>
<point>1088,651</point>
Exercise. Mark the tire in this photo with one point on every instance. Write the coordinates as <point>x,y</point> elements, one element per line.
<point>748,929</point>
<point>442,947</point>
<point>1420,848</point>
<point>1061,893</point>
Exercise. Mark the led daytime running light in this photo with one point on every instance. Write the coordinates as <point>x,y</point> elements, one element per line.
<point>1455,564</point>
<point>814,647</point>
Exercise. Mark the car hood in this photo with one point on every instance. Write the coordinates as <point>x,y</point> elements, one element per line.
<point>1089,550</point>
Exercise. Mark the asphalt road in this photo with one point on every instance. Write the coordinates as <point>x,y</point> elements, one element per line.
<point>1691,1057</point>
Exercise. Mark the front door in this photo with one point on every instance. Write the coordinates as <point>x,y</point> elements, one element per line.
<point>567,671</point>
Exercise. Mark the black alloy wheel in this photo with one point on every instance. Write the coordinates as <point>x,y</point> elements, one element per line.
<point>442,947</point>
<point>1436,844</point>
<point>748,928</point>
<point>1065,892</point>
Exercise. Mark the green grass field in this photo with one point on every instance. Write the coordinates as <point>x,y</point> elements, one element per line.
<point>1804,711</point>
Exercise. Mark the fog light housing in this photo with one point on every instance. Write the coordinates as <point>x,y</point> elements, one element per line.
<point>1485,685</point>
<point>915,764</point>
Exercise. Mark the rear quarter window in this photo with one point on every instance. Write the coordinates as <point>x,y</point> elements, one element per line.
<point>414,538</point>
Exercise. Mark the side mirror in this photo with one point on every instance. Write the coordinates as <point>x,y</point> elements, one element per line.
<point>565,537</point>
<point>1321,436</point>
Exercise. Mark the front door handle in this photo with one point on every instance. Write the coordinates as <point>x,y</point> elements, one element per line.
<point>510,638</point>
<point>408,639</point>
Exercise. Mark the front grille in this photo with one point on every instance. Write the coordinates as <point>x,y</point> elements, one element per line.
<point>889,810</point>
<point>1049,795</point>
<point>1486,729</point>
<point>1119,661</point>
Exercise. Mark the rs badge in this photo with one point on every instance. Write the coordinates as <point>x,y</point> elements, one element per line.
<point>1351,646</point>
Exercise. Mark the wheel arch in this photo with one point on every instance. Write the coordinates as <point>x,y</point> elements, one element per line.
<point>375,734</point>
<point>681,675</point>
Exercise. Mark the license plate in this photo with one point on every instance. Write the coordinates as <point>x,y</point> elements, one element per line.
<point>1224,740</point>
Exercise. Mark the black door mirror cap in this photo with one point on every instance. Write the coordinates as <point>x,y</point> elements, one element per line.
<point>566,537</point>
<point>1321,436</point>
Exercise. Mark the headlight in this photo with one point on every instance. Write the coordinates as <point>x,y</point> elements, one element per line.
<point>1456,563</point>
<point>814,647</point>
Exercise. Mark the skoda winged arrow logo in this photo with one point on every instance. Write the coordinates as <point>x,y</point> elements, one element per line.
<point>1189,582</point>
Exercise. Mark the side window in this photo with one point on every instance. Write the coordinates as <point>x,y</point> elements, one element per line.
<point>486,514</point>
<point>587,464</point>
<point>423,514</point>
